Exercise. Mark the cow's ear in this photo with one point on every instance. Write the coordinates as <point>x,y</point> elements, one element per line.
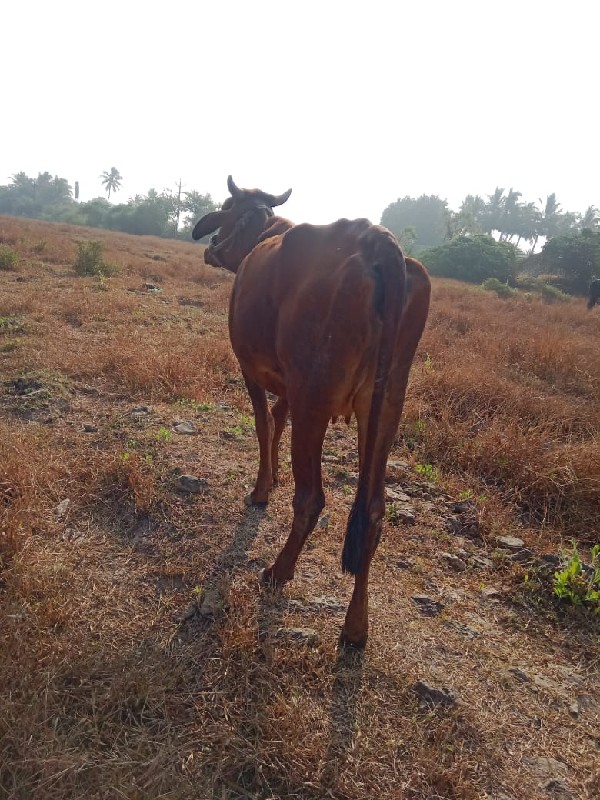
<point>208,224</point>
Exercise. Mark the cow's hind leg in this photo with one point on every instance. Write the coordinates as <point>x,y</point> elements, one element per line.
<point>280,415</point>
<point>265,428</point>
<point>308,432</point>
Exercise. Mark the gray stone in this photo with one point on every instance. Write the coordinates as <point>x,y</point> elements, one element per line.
<point>481,562</point>
<point>456,563</point>
<point>427,605</point>
<point>546,767</point>
<point>392,493</point>
<point>184,427</point>
<point>512,542</point>
<point>405,515</point>
<point>323,522</point>
<point>88,427</point>
<point>306,636</point>
<point>191,484</point>
<point>430,696</point>
<point>519,674</point>
<point>140,411</point>
<point>524,556</point>
<point>491,592</point>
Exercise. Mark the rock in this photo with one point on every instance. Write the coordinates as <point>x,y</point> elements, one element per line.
<point>512,542</point>
<point>519,674</point>
<point>557,789</point>
<point>402,514</point>
<point>427,605</point>
<point>62,508</point>
<point>523,556</point>
<point>468,527</point>
<point>545,767</point>
<point>491,593</point>
<point>395,494</point>
<point>141,410</point>
<point>306,636</point>
<point>330,605</point>
<point>88,427</point>
<point>152,287</point>
<point>480,562</point>
<point>463,507</point>
<point>191,484</point>
<point>551,560</point>
<point>328,459</point>
<point>323,522</point>
<point>456,563</point>
<point>462,628</point>
<point>184,427</point>
<point>397,465</point>
<point>404,564</point>
<point>430,696</point>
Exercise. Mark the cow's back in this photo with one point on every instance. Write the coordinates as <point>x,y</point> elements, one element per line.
<point>302,313</point>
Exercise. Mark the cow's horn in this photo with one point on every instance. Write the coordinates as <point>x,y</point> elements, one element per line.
<point>276,199</point>
<point>233,189</point>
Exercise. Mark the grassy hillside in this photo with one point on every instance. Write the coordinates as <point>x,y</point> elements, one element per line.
<point>141,659</point>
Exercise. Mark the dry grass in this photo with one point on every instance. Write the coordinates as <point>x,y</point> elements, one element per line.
<point>115,685</point>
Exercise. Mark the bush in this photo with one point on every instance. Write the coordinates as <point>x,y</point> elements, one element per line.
<point>8,258</point>
<point>575,257</point>
<point>503,290</point>
<point>552,294</point>
<point>473,259</point>
<point>90,260</point>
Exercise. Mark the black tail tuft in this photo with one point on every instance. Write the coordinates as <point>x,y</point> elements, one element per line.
<point>354,543</point>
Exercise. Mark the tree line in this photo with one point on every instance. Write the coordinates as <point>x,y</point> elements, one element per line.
<point>493,237</point>
<point>166,213</point>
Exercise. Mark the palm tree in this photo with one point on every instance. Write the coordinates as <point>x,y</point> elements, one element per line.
<point>111,180</point>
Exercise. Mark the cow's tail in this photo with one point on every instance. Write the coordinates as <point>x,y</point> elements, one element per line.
<point>382,253</point>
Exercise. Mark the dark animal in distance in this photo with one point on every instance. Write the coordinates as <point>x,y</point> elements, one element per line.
<point>328,319</point>
<point>594,293</point>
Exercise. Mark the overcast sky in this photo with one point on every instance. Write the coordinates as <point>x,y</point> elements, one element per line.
<point>352,104</point>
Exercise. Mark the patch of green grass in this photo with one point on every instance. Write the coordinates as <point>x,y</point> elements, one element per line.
<point>428,471</point>
<point>8,258</point>
<point>577,585</point>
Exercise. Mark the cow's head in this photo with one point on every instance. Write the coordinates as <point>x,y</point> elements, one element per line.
<point>240,222</point>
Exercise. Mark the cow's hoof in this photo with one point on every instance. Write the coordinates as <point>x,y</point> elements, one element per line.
<point>253,500</point>
<point>353,642</point>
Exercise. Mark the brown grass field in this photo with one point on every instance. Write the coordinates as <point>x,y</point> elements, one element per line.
<point>139,658</point>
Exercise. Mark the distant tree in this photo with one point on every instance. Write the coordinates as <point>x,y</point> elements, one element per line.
<point>427,215</point>
<point>574,258</point>
<point>111,180</point>
<point>591,218</point>
<point>473,259</point>
<point>195,205</point>
<point>494,211</point>
<point>76,190</point>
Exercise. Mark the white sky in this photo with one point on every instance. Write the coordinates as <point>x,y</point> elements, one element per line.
<point>352,104</point>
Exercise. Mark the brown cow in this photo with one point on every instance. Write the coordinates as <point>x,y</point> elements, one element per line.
<point>327,318</point>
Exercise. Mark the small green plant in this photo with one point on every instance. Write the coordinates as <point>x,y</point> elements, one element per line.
<point>90,261</point>
<point>578,585</point>
<point>428,471</point>
<point>163,435</point>
<point>428,363</point>
<point>8,258</point>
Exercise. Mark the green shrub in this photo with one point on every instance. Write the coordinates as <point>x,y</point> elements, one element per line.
<point>90,262</point>
<point>552,294</point>
<point>473,259</point>
<point>8,258</point>
<point>577,585</point>
<point>503,290</point>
